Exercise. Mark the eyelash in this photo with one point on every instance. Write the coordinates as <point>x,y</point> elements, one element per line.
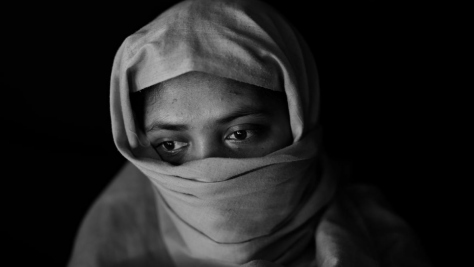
<point>173,151</point>
<point>248,135</point>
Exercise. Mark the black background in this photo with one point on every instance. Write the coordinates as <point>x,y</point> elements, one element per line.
<point>381,106</point>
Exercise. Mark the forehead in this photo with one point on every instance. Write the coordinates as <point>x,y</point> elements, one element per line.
<point>199,99</point>
<point>197,90</point>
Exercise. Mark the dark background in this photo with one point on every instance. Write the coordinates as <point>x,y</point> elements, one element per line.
<point>381,105</point>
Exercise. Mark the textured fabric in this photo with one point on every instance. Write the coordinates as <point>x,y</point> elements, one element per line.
<point>357,229</point>
<point>276,210</point>
<point>121,228</point>
<point>223,211</point>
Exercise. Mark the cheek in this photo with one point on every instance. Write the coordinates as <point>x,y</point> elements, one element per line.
<point>281,137</point>
<point>283,134</point>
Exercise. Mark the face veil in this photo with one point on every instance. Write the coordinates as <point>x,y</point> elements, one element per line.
<point>224,211</point>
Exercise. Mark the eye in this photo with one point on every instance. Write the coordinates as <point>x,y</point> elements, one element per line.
<point>241,135</point>
<point>172,146</point>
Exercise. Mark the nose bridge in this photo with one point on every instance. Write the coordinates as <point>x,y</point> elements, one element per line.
<point>206,146</point>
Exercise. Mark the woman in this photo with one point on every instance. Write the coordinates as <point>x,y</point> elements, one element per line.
<point>215,105</point>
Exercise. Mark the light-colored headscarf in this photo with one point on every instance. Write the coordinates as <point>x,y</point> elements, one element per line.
<point>276,210</point>
<point>221,211</point>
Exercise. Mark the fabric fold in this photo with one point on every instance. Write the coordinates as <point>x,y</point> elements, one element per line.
<point>223,210</point>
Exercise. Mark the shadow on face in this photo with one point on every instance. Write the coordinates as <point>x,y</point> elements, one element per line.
<point>198,115</point>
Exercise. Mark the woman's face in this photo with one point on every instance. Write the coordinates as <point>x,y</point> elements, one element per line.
<point>197,115</point>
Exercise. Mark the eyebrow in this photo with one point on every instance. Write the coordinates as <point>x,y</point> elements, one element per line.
<point>166,126</point>
<point>238,113</point>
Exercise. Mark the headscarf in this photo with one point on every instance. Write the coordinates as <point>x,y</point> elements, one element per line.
<point>223,211</point>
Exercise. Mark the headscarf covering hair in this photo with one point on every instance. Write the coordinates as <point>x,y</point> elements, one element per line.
<point>221,211</point>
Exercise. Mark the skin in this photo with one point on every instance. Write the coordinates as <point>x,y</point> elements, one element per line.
<point>197,116</point>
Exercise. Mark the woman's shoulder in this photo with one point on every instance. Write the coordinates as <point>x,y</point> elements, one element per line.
<point>360,225</point>
<point>121,225</point>
<point>126,201</point>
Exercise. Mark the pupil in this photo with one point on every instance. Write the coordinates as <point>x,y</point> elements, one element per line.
<point>168,145</point>
<point>240,135</point>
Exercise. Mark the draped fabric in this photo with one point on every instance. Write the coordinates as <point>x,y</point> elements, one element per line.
<point>228,211</point>
<point>277,210</point>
